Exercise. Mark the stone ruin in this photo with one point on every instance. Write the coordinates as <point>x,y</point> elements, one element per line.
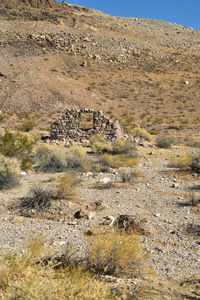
<point>78,126</point>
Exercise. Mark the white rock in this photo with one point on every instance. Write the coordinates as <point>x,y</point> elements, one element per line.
<point>186,82</point>
<point>105,180</point>
<point>89,174</point>
<point>23,173</point>
<point>156,214</point>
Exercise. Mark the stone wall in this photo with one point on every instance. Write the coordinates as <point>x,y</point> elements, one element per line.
<point>78,126</point>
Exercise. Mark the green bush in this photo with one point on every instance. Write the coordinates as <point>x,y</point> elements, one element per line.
<point>17,145</point>
<point>9,172</point>
<point>165,141</point>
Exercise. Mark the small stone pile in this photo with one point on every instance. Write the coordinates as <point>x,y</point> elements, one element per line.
<point>78,126</point>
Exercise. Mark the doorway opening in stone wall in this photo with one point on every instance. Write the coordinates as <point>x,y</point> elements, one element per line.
<point>86,120</point>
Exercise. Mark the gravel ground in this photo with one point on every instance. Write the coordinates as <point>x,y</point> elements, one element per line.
<point>174,250</point>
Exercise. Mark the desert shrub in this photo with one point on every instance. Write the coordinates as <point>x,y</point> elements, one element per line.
<point>115,253</point>
<point>3,116</point>
<point>9,172</point>
<point>165,141</point>
<point>26,126</point>
<point>122,147</point>
<point>57,160</point>
<point>141,133</point>
<point>181,162</point>
<point>77,159</point>
<point>18,146</point>
<point>193,199</point>
<point>116,161</point>
<point>39,198</point>
<point>128,177</point>
<point>66,186</point>
<point>24,276</point>
<point>195,163</point>
<point>50,160</point>
<point>191,142</point>
<point>23,116</point>
<point>99,144</point>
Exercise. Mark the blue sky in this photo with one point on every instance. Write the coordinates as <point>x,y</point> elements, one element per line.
<point>183,12</point>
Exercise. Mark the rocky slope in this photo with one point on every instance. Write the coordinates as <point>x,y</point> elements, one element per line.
<point>53,57</point>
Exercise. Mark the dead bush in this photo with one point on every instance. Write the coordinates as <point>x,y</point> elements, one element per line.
<point>9,172</point>
<point>115,253</point>
<point>39,199</point>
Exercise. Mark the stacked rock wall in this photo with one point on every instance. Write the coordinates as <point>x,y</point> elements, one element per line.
<point>78,126</point>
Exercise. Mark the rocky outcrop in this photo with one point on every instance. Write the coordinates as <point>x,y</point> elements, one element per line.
<point>78,126</point>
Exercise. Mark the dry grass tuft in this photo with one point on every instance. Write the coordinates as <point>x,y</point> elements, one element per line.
<point>115,253</point>
<point>141,133</point>
<point>181,162</point>
<point>99,144</point>
<point>23,276</point>
<point>115,161</point>
<point>66,186</point>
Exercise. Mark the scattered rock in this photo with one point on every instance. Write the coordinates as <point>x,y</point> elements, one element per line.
<point>175,185</point>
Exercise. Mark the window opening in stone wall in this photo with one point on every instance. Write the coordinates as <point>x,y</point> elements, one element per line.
<point>86,121</point>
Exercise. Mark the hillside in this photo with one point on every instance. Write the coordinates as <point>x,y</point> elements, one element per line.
<point>82,217</point>
<point>73,56</point>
